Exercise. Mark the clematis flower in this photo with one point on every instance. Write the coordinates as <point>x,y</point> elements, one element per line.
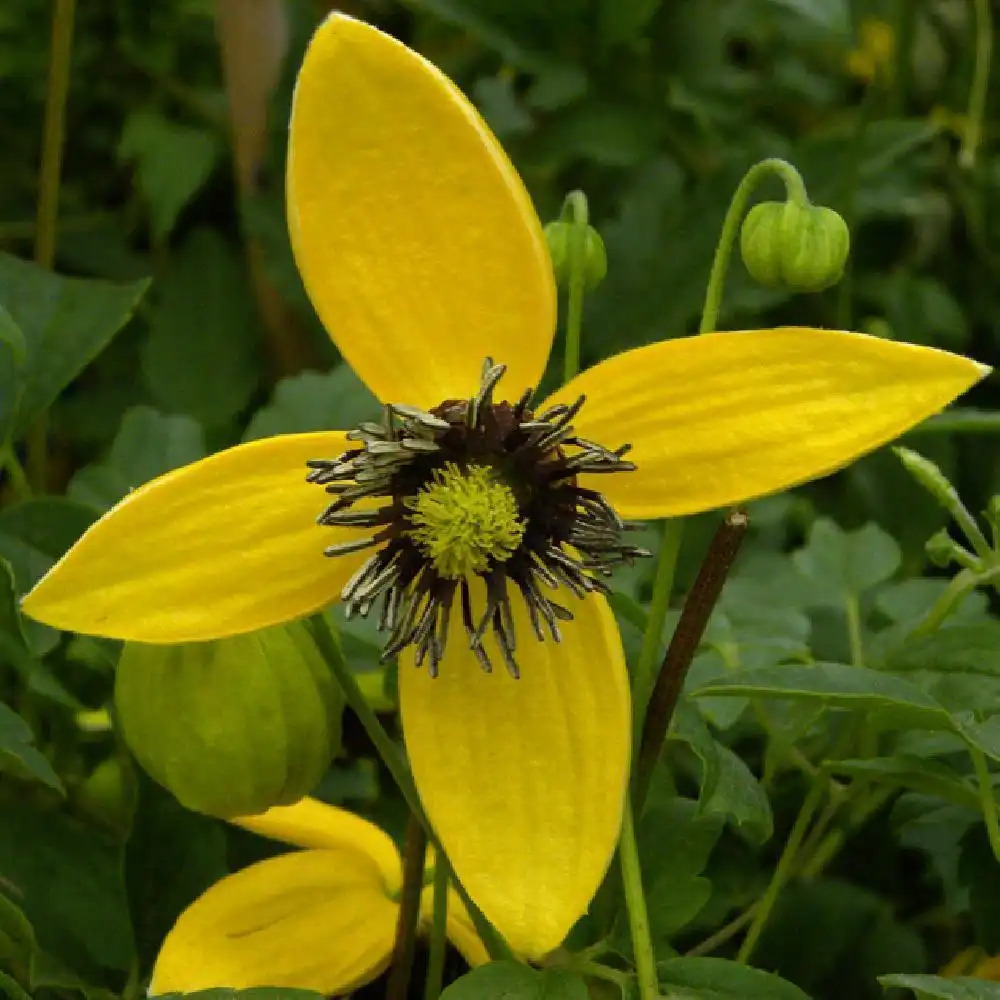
<point>323,918</point>
<point>423,256</point>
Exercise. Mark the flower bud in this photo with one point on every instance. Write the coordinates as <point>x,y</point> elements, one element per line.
<point>941,549</point>
<point>559,235</point>
<point>790,245</point>
<point>235,726</point>
<point>929,476</point>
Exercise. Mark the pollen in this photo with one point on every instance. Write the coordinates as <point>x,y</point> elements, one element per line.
<point>465,520</point>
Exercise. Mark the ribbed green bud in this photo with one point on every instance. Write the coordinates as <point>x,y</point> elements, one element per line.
<point>595,259</point>
<point>790,245</point>
<point>234,726</point>
<point>925,472</point>
<point>941,549</point>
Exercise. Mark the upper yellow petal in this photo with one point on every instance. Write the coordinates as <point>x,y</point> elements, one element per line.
<point>726,417</point>
<point>524,779</point>
<point>458,924</point>
<point>223,546</point>
<point>315,920</point>
<point>314,824</point>
<point>416,240</point>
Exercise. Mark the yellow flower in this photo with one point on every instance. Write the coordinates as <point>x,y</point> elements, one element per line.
<point>423,256</point>
<point>873,58</point>
<point>323,918</point>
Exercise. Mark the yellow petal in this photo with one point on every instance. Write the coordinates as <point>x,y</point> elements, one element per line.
<point>316,920</point>
<point>223,546</point>
<point>314,824</point>
<point>524,779</point>
<point>458,925</point>
<point>416,240</point>
<point>726,417</point>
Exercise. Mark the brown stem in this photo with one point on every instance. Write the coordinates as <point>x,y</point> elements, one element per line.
<point>409,911</point>
<point>701,600</point>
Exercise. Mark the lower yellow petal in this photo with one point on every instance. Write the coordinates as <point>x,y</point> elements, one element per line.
<point>726,417</point>
<point>317,920</point>
<point>314,824</point>
<point>524,779</point>
<point>223,546</point>
<point>458,925</point>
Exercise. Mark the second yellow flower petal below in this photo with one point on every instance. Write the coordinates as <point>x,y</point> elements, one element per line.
<point>524,780</point>
<point>722,418</point>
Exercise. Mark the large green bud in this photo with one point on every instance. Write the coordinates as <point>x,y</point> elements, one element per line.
<point>794,245</point>
<point>235,726</point>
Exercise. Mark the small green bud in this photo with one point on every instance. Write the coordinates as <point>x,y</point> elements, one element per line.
<point>941,549</point>
<point>992,511</point>
<point>235,726</point>
<point>790,245</point>
<point>558,235</point>
<point>928,475</point>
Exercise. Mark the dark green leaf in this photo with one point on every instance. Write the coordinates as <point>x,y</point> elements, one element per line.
<point>966,649</point>
<point>148,444</point>
<point>513,981</point>
<point>917,773</point>
<point>201,355</point>
<point>18,753</point>
<point>739,798</point>
<point>66,322</point>
<point>720,979</point>
<point>961,988</point>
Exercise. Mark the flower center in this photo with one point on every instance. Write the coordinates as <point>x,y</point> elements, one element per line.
<point>465,519</point>
<point>472,488</point>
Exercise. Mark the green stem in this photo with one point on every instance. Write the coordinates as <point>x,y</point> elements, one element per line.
<point>439,927</point>
<point>575,211</point>
<point>987,798</point>
<point>796,191</point>
<point>401,964</point>
<point>980,82</point>
<point>852,609</point>
<point>49,174</point>
<point>962,583</point>
<point>905,18</point>
<point>663,583</point>
<point>783,869</point>
<point>396,765</point>
<point>635,903</point>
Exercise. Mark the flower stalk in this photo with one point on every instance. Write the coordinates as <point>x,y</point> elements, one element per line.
<point>401,963</point>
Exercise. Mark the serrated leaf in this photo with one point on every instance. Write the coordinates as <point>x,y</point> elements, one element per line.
<point>962,988</point>
<point>172,161</point>
<point>739,798</point>
<point>513,981</point>
<point>148,443</point>
<point>337,400</point>
<point>201,357</point>
<point>721,979</point>
<point>19,755</point>
<point>65,323</point>
<point>846,563</point>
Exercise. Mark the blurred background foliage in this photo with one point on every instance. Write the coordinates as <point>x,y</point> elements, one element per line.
<point>173,170</point>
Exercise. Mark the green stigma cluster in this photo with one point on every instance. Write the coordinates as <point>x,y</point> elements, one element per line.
<point>465,519</point>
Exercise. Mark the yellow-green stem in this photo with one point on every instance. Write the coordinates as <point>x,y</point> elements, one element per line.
<point>980,82</point>
<point>49,174</point>
<point>987,798</point>
<point>575,211</point>
<point>783,868</point>
<point>635,904</point>
<point>439,926</point>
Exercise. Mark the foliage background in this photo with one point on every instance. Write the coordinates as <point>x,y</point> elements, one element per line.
<point>655,108</point>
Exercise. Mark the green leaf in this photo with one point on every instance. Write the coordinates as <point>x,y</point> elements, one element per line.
<point>721,979</point>
<point>12,338</point>
<point>85,923</point>
<point>148,443</point>
<point>513,981</point>
<point>11,988</point>
<point>18,753</point>
<point>908,600</point>
<point>17,938</point>
<point>65,323</point>
<point>689,727</point>
<point>829,16</point>
<point>963,649</point>
<point>846,563</point>
<point>961,988</point>
<point>920,774</point>
<point>201,357</point>
<point>172,857</point>
<point>172,161</point>
<point>898,702</point>
<point>337,400</point>
<point>739,798</point>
